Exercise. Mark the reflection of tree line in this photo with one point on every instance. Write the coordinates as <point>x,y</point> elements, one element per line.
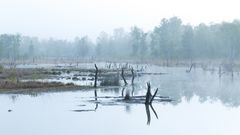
<point>229,97</point>
<point>226,90</point>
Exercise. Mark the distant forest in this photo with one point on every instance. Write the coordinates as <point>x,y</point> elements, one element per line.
<point>170,40</point>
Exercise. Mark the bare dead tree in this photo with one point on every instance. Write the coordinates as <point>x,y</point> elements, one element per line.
<point>148,94</point>
<point>96,76</point>
<point>122,74</point>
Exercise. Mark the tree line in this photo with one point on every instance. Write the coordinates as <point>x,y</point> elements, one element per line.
<point>170,40</point>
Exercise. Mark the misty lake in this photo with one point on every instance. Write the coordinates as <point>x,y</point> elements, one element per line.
<point>203,104</point>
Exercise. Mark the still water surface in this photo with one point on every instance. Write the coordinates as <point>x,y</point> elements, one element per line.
<point>204,104</point>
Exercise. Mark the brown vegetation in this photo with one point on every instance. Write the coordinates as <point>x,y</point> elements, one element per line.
<point>6,84</point>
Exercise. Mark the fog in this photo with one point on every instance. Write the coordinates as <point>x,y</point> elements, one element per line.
<point>119,30</point>
<point>170,40</point>
<point>147,66</point>
<point>66,19</point>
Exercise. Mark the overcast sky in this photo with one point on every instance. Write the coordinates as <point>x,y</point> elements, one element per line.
<point>69,18</point>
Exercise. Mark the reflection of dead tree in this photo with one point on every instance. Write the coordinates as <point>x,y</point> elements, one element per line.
<point>123,91</point>
<point>96,76</point>
<point>133,89</point>
<point>90,110</point>
<point>190,69</point>
<point>133,76</point>
<point>122,74</point>
<point>148,102</point>
<point>95,95</point>
<point>220,71</point>
<point>149,114</point>
<point>154,111</point>
<point>228,68</point>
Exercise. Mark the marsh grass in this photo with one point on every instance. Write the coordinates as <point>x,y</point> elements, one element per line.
<point>13,77</point>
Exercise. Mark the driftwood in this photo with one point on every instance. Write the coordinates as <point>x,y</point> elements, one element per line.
<point>96,76</point>
<point>122,74</point>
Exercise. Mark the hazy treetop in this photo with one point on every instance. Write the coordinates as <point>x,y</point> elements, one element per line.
<point>69,18</point>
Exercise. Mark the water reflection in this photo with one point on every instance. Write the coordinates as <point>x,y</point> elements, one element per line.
<point>179,85</point>
<point>149,113</point>
<point>96,104</point>
<point>122,100</point>
<point>14,98</point>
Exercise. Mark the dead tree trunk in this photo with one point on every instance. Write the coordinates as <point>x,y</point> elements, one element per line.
<point>133,76</point>
<point>125,82</point>
<point>96,76</point>
<point>148,94</point>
